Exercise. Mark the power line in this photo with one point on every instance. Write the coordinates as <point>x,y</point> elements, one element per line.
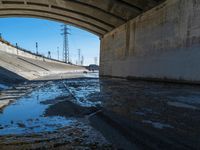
<point>65,33</point>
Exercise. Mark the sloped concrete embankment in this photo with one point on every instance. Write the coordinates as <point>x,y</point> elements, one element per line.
<point>17,68</point>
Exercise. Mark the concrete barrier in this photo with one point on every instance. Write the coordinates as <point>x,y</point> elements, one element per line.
<point>162,43</point>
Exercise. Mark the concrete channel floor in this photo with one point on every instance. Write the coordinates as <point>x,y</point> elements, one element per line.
<point>92,113</point>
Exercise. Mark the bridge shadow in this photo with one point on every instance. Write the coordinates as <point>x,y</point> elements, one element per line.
<point>7,76</point>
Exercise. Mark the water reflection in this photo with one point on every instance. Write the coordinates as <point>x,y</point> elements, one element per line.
<point>26,114</point>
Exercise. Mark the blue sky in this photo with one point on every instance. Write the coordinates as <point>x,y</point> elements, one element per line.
<point>27,31</point>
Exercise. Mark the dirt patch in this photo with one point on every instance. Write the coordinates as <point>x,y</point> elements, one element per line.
<point>78,136</point>
<point>69,109</point>
<point>56,100</point>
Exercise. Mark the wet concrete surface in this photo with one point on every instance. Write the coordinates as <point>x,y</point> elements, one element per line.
<point>3,86</point>
<point>92,113</point>
<point>11,92</point>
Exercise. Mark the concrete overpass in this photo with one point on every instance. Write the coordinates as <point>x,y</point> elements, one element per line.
<point>150,39</point>
<point>97,16</point>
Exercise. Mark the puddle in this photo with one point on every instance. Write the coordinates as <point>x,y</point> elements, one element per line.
<point>82,91</point>
<point>26,114</point>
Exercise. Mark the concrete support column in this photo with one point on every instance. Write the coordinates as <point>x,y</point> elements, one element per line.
<point>161,44</point>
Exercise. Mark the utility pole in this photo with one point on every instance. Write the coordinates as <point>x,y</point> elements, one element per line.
<point>36,45</point>
<point>58,53</point>
<point>95,60</point>
<point>16,47</point>
<point>65,33</point>
<point>82,60</point>
<point>79,56</point>
<point>49,55</point>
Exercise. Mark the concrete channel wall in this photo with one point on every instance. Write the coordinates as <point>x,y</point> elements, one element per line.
<point>162,43</point>
<point>17,65</point>
<point>8,48</point>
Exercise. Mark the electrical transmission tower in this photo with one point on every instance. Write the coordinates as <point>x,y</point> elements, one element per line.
<point>65,33</point>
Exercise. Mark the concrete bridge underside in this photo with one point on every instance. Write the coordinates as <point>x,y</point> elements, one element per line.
<point>151,39</point>
<point>97,16</point>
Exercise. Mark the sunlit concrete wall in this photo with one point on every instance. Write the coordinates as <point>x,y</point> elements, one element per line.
<point>17,65</point>
<point>4,47</point>
<point>163,43</point>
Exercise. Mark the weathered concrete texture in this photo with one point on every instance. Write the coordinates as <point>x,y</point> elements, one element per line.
<point>162,43</point>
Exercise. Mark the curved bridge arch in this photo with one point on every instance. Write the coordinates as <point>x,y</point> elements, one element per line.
<point>96,16</point>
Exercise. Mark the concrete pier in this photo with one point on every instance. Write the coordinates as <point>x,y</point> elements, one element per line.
<point>160,44</point>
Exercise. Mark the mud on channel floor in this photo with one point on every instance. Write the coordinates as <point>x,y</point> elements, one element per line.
<point>51,117</point>
<point>108,114</point>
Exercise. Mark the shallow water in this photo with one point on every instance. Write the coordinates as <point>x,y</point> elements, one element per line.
<point>170,111</point>
<point>27,113</point>
<point>82,89</point>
